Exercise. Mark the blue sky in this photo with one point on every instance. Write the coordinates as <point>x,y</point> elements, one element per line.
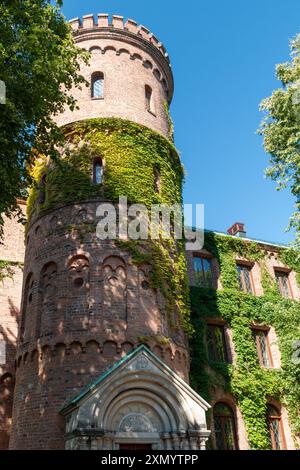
<point>223,56</point>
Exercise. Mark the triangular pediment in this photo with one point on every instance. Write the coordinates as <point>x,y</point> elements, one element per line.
<point>141,361</point>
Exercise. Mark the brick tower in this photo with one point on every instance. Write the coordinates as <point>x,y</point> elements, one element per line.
<point>102,358</point>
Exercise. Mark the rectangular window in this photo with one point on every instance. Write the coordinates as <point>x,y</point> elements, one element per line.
<point>282,279</point>
<point>216,343</point>
<point>244,278</point>
<point>263,349</point>
<point>203,272</point>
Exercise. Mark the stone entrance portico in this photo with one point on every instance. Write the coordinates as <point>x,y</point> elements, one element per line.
<point>139,400</point>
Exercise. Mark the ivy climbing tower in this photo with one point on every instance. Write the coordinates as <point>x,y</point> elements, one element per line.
<point>102,355</point>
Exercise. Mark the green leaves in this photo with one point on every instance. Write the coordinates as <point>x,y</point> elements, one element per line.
<point>39,64</point>
<point>250,384</point>
<point>280,129</point>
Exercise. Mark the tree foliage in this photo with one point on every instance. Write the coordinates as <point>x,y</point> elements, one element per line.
<point>281,129</point>
<point>39,64</point>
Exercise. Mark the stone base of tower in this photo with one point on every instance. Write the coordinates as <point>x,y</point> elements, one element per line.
<point>138,402</point>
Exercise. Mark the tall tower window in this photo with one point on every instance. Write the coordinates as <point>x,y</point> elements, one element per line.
<point>282,280</point>
<point>275,428</point>
<point>263,347</point>
<point>216,343</point>
<point>203,272</point>
<point>149,99</point>
<point>97,171</point>
<point>156,174</point>
<point>225,429</point>
<point>244,278</point>
<point>98,85</point>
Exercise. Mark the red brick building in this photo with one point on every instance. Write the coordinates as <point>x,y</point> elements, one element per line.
<point>89,358</point>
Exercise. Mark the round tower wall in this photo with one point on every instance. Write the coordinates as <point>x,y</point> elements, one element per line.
<point>129,60</point>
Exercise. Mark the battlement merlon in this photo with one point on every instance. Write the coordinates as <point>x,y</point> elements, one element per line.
<point>88,22</point>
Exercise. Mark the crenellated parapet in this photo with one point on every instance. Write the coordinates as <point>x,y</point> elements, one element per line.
<point>118,26</point>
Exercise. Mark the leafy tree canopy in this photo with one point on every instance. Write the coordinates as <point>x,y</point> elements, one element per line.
<point>281,130</point>
<point>39,64</point>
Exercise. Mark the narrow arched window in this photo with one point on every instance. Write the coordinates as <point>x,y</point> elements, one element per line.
<point>97,171</point>
<point>156,174</point>
<point>97,85</point>
<point>27,300</point>
<point>275,428</point>
<point>149,99</point>
<point>225,429</point>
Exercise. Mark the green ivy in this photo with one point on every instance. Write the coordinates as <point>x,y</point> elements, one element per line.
<point>168,274</point>
<point>131,153</point>
<point>249,383</point>
<point>7,269</point>
<point>170,121</point>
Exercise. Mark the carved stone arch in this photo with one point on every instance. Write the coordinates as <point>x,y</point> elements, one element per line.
<point>138,411</point>
<point>78,267</point>
<point>114,294</point>
<point>60,351</point>
<point>147,64</point>
<point>145,271</point>
<point>77,310</point>
<point>113,261</point>
<point>47,299</point>
<point>146,388</point>
<point>127,347</point>
<point>136,56</point>
<point>140,400</point>
<point>75,347</point>
<point>48,278</point>
<point>95,49</point>
<point>92,347</point>
<point>123,51</point>
<point>109,48</point>
<point>110,348</point>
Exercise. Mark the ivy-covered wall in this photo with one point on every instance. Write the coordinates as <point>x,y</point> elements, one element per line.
<point>132,155</point>
<point>250,384</point>
<point>130,152</point>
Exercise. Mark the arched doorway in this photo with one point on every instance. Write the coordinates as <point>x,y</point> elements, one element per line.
<point>139,403</point>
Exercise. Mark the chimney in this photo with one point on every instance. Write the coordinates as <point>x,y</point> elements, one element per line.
<point>237,230</point>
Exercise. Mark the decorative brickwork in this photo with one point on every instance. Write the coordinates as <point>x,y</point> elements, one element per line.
<point>88,306</point>
<point>130,57</point>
